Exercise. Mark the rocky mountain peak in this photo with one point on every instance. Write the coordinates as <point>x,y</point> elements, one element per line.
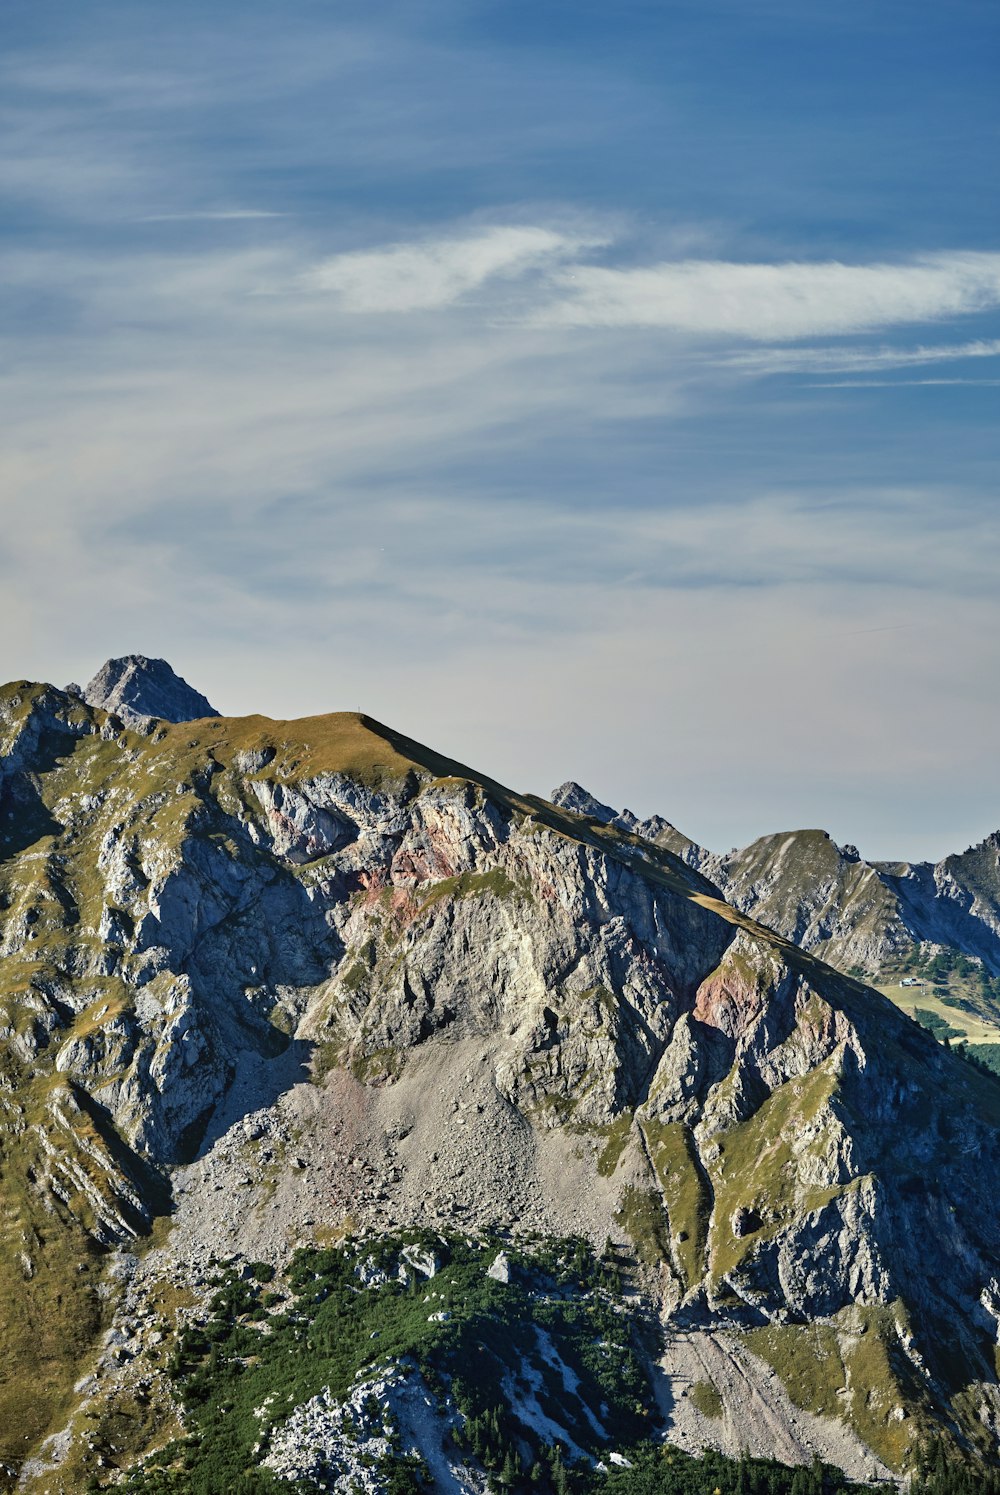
<point>573,796</point>
<point>135,687</point>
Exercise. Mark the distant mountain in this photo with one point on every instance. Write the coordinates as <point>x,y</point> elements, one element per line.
<point>572,796</point>
<point>135,688</point>
<point>875,919</point>
<point>871,916</point>
<point>339,1081</point>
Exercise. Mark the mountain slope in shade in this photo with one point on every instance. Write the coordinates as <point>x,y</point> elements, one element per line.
<point>135,687</point>
<point>267,985</point>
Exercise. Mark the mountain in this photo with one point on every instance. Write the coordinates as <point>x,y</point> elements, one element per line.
<point>936,925</point>
<point>872,915</point>
<point>135,688</point>
<point>358,1113</point>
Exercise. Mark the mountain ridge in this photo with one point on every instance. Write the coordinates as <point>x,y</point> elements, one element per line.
<point>867,916</point>
<point>234,946</point>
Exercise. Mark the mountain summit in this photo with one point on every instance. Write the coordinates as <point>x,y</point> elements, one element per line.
<point>134,687</point>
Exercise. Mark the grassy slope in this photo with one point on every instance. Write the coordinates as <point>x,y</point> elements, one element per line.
<point>50,1311</point>
<point>975,1027</point>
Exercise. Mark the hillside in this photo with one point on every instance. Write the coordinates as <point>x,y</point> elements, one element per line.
<point>270,987</point>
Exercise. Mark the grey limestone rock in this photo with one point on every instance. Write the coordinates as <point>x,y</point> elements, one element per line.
<point>573,796</point>
<point>859,915</point>
<point>134,688</point>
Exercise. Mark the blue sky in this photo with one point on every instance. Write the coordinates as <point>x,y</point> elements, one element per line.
<point>591,391</point>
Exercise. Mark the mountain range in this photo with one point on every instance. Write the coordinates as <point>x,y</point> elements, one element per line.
<point>363,1121</point>
<point>935,925</point>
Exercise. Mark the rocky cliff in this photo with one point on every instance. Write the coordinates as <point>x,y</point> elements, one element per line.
<point>288,978</point>
<point>869,917</point>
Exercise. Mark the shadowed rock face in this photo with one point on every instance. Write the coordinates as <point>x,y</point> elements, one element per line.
<point>135,687</point>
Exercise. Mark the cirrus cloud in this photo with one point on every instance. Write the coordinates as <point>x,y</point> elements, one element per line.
<point>551,284</point>
<point>858,359</point>
<point>777,302</point>
<point>429,274</point>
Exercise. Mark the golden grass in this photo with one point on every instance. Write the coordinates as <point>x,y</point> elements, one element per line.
<point>837,1371</point>
<point>975,1028</point>
<point>49,1320</point>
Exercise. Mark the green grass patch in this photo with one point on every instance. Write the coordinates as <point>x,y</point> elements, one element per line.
<point>378,1068</point>
<point>685,1194</point>
<point>327,1056</point>
<point>50,1309</point>
<point>355,977</point>
<point>641,1216</point>
<point>756,1168</point>
<point>616,1140</point>
<point>705,1397</point>
<point>495,883</point>
<point>854,1369</point>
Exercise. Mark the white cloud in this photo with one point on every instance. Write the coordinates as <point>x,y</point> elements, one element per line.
<point>860,360</point>
<point>902,383</point>
<point>698,298</point>
<point>259,485</point>
<point>767,302</point>
<point>438,272</point>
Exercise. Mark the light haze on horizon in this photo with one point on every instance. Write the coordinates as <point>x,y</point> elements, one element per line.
<point>588,392</point>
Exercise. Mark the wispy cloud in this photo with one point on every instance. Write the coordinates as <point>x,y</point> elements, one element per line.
<point>552,284</point>
<point>221,215</point>
<point>842,360</point>
<point>900,383</point>
<point>434,273</point>
<point>400,336</point>
<point>775,302</point>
